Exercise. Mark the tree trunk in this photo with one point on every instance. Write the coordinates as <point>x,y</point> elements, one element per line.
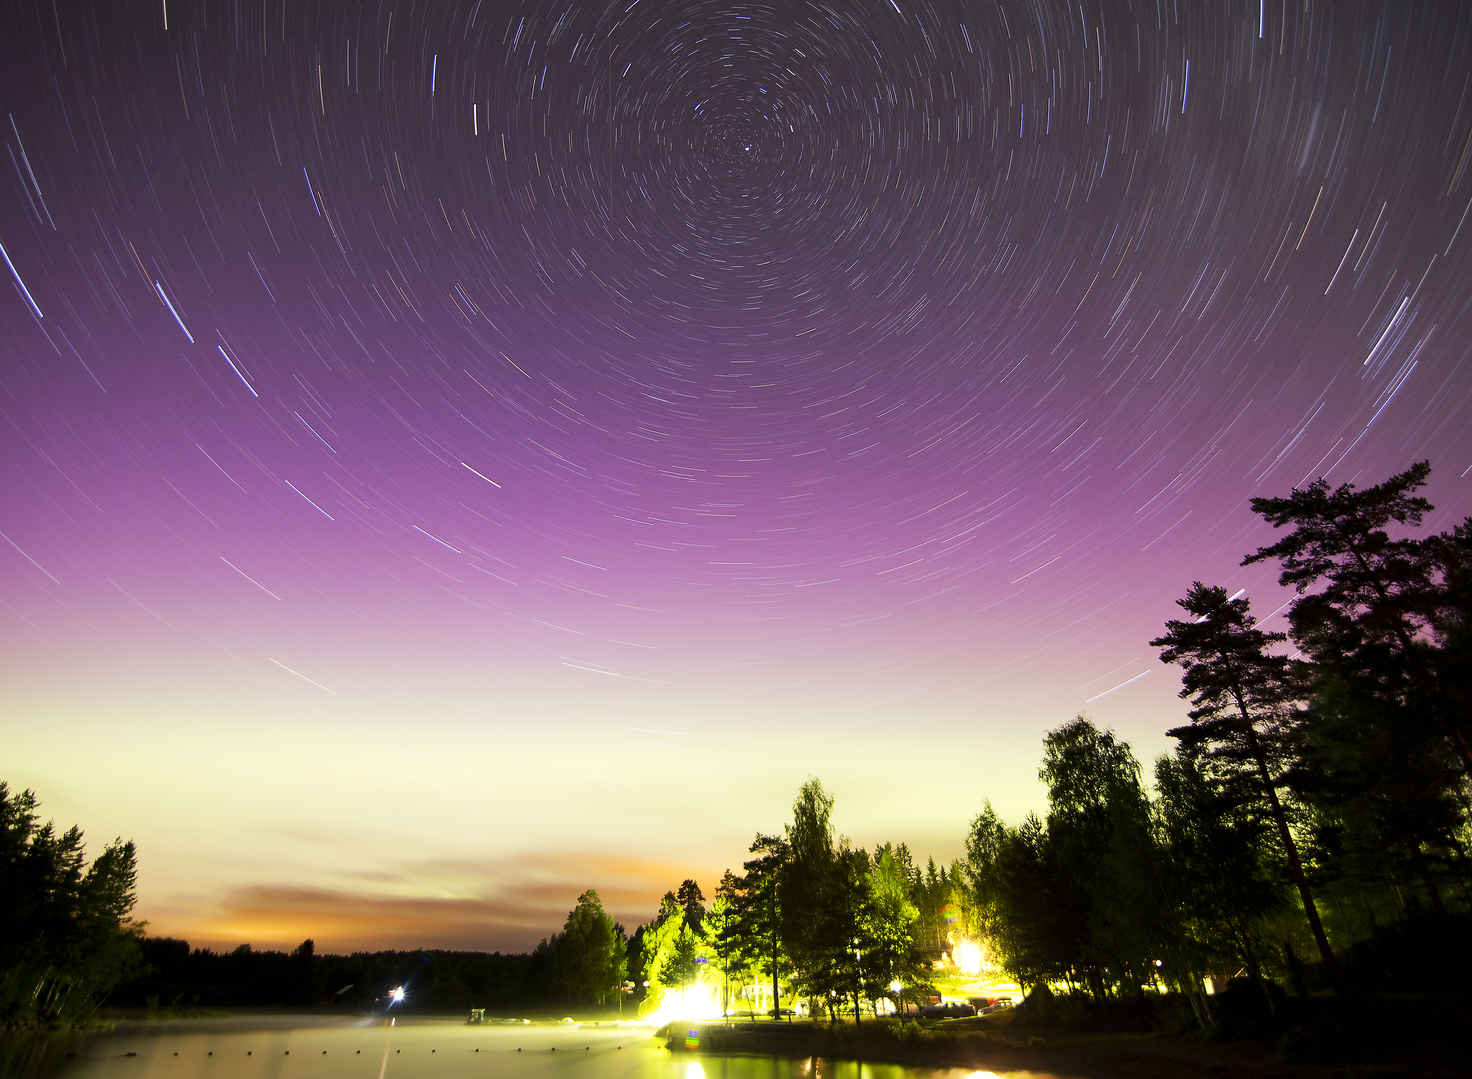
<point>1295,865</point>
<point>1200,1008</point>
<point>776,1002</point>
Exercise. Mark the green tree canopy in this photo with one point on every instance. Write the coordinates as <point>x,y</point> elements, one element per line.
<point>893,955</point>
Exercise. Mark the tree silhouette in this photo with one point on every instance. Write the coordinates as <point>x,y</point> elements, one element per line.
<point>1386,755</point>
<point>1019,913</point>
<point>1244,711</point>
<point>587,957</point>
<point>1099,833</point>
<point>806,884</point>
<point>692,902</point>
<point>1376,615</point>
<point>759,909</point>
<point>1218,887</point>
<point>66,938</point>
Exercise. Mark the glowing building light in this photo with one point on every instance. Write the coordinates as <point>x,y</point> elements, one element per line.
<point>968,956</point>
<point>697,1001</point>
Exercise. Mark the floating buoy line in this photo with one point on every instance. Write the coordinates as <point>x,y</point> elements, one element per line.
<point>133,1053</point>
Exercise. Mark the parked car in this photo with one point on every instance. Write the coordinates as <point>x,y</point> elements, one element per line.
<point>951,1009</point>
<point>983,1005</point>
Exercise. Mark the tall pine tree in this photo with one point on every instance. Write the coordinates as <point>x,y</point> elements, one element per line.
<point>1244,712</point>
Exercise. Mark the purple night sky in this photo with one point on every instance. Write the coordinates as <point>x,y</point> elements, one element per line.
<point>457,454</point>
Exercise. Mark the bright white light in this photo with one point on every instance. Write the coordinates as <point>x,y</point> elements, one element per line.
<point>696,1001</point>
<point>396,995</point>
<point>968,956</point>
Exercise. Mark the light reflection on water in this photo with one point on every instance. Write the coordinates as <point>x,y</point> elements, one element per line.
<point>284,1048</point>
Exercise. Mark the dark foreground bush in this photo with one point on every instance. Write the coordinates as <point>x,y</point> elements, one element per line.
<point>1425,953</point>
<point>1134,1013</point>
<point>1250,1011</point>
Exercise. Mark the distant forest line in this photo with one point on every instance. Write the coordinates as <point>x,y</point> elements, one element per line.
<point>1310,827</point>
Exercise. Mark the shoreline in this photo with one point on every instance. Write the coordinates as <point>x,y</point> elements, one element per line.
<point>1062,1055</point>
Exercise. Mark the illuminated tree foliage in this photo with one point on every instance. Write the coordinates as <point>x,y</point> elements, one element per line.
<point>679,968</point>
<point>725,935</point>
<point>893,955</point>
<point>1015,893</point>
<point>675,946</point>
<point>833,924</point>
<point>1076,898</point>
<point>66,938</point>
<point>657,944</point>
<point>933,893</point>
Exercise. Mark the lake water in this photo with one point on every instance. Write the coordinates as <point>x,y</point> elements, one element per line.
<point>288,1048</point>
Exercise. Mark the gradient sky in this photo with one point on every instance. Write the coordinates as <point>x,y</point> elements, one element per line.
<point>457,454</point>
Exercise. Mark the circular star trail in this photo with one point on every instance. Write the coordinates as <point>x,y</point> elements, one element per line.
<point>869,375</point>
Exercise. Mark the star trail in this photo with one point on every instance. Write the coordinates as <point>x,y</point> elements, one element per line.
<point>438,431</point>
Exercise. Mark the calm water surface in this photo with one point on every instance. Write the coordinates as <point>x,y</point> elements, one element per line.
<point>247,1048</point>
